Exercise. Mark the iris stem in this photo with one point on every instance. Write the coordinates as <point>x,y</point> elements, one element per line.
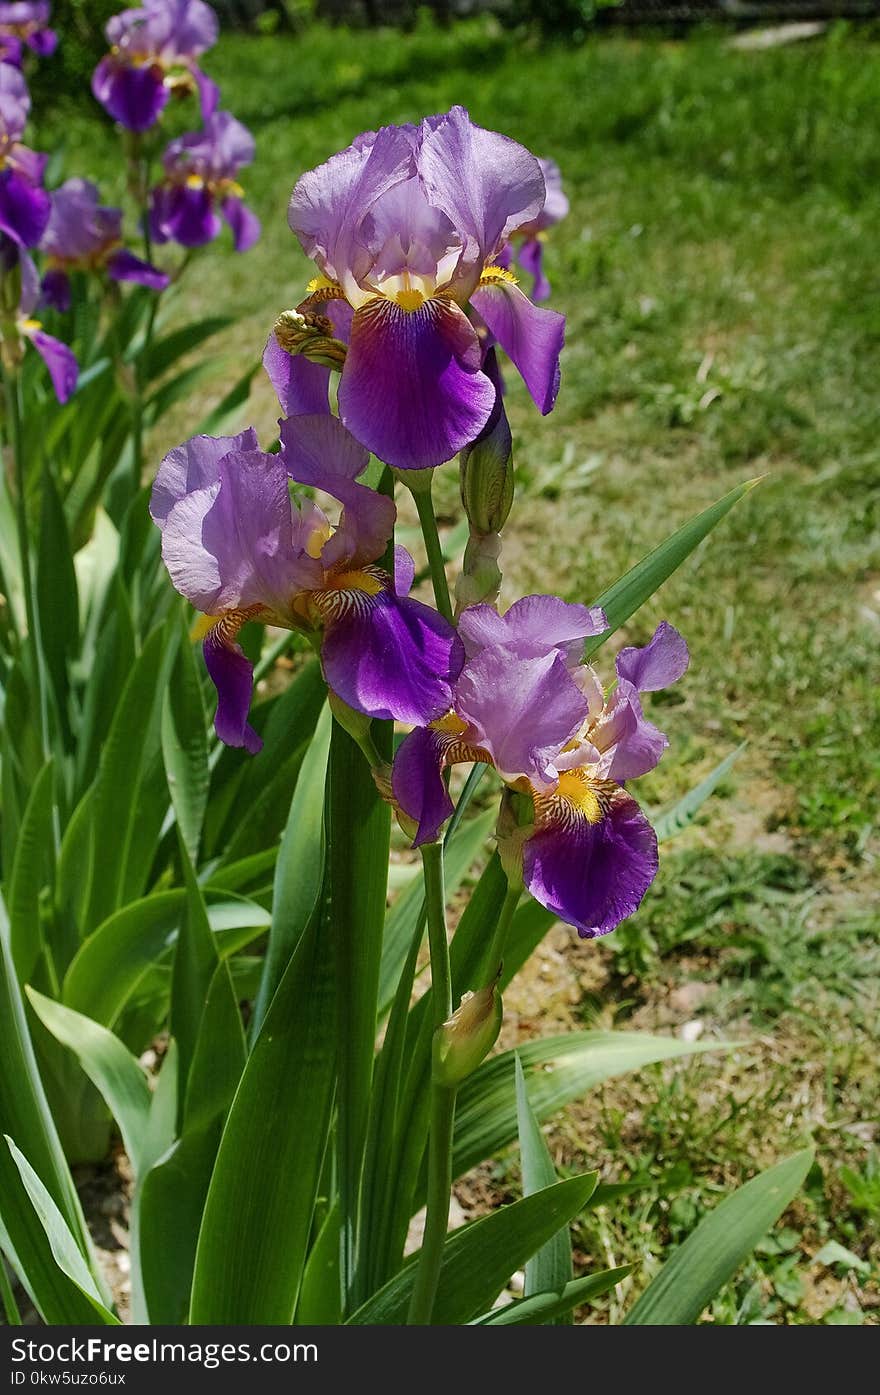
<point>428,521</point>
<point>495,955</point>
<point>10,1307</point>
<point>442,1101</point>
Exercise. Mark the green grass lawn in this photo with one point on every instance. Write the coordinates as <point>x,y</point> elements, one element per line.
<point>720,271</point>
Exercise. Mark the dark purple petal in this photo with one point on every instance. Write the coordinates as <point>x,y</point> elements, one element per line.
<point>593,875</point>
<point>659,663</point>
<point>194,465</point>
<point>417,782</point>
<point>531,258</point>
<point>523,711</point>
<point>15,101</point>
<point>318,451</point>
<point>533,626</point>
<point>393,658</point>
<point>185,214</point>
<point>233,676</point>
<point>302,387</point>
<point>55,288</point>
<point>411,388</point>
<point>59,360</point>
<point>485,183</point>
<point>245,225</point>
<point>11,50</point>
<point>133,96</point>
<point>531,337</point>
<point>123,265</point>
<point>24,209</point>
<point>43,42</point>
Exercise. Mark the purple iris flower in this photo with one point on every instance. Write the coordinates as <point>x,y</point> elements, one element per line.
<point>25,23</point>
<point>83,235</point>
<point>238,549</point>
<point>200,179</point>
<point>153,54</point>
<point>24,203</point>
<point>58,358</point>
<point>525,703</point>
<point>406,226</point>
<point>527,243</point>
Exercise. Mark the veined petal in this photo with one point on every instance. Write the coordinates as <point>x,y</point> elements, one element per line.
<point>531,258</point>
<point>411,388</point>
<point>318,451</point>
<point>417,782</point>
<point>486,184</point>
<point>628,743</point>
<point>300,386</point>
<point>194,465</point>
<point>592,873</point>
<point>659,663</point>
<point>522,710</point>
<point>392,658</point>
<point>530,336</point>
<point>232,674</point>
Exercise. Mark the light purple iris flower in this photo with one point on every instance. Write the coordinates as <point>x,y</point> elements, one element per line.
<point>238,549</point>
<point>406,226</point>
<point>58,358</point>
<point>527,243</point>
<point>83,235</point>
<point>200,184</point>
<point>525,704</point>
<point>25,24</point>
<point>24,203</point>
<point>153,53</point>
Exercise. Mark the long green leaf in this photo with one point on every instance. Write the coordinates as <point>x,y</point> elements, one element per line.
<point>258,1214</point>
<point>195,962</point>
<point>551,1306</point>
<point>299,870</point>
<point>57,598</point>
<point>675,820</point>
<point>723,1239</point>
<point>65,1250</point>
<point>558,1070</point>
<point>109,1065</point>
<point>33,859</point>
<point>164,353</point>
<point>550,1268</point>
<point>25,1117</point>
<point>480,1258</point>
<point>111,963</point>
<point>630,591</point>
<point>185,747</point>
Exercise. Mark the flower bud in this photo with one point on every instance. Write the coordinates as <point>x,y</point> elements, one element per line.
<point>487,475</point>
<point>480,577</point>
<point>358,725</point>
<point>467,1037</point>
<point>310,335</point>
<point>516,821</point>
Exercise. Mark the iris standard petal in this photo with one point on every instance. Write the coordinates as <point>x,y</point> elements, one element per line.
<point>123,265</point>
<point>193,465</point>
<point>318,451</point>
<point>233,676</point>
<point>629,745</point>
<point>24,209</point>
<point>593,874</point>
<point>133,96</point>
<point>531,627</point>
<point>60,361</point>
<point>245,224</point>
<point>392,658</point>
<point>530,336</point>
<point>411,388</point>
<point>531,258</point>
<point>417,782</point>
<point>522,710</point>
<point>486,184</point>
<point>659,663</point>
